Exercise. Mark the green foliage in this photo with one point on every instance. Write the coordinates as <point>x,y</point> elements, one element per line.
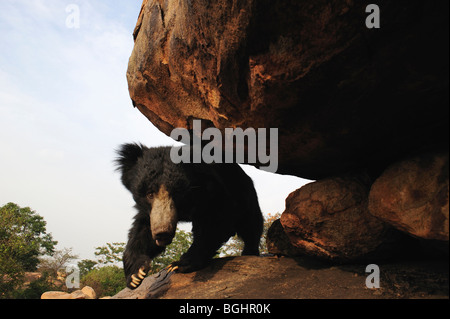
<point>35,289</point>
<point>110,254</point>
<point>106,281</point>
<point>267,223</point>
<point>85,266</point>
<point>180,244</point>
<point>23,239</point>
<point>235,245</point>
<point>232,247</point>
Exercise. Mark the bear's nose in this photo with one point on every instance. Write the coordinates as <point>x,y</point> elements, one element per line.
<point>163,239</point>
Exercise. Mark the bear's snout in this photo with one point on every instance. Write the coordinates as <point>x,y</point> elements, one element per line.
<point>163,239</point>
<point>163,218</point>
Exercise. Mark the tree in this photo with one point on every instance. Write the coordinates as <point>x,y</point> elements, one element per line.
<point>103,275</point>
<point>35,288</point>
<point>23,239</point>
<point>106,281</point>
<point>56,262</point>
<point>85,266</point>
<point>110,254</point>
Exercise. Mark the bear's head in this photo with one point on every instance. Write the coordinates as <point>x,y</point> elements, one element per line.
<point>157,184</point>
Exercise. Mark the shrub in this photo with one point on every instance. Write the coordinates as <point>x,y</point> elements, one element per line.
<point>36,288</point>
<point>106,281</point>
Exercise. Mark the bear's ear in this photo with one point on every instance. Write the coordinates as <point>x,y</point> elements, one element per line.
<point>128,157</point>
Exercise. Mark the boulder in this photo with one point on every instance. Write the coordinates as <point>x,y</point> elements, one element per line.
<point>412,195</point>
<point>55,295</point>
<point>77,294</point>
<point>278,242</point>
<point>329,219</point>
<point>89,292</point>
<point>85,293</point>
<point>343,96</point>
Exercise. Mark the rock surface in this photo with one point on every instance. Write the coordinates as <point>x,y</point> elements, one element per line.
<point>288,278</point>
<point>56,295</point>
<point>343,96</point>
<point>85,293</point>
<point>89,292</point>
<point>278,243</point>
<point>412,195</point>
<point>330,219</point>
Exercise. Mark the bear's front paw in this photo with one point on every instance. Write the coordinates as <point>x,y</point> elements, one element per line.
<point>135,280</point>
<point>186,266</point>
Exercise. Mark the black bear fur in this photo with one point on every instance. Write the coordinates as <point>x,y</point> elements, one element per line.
<point>219,200</point>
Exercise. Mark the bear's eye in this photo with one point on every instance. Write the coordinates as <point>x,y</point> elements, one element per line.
<point>149,196</point>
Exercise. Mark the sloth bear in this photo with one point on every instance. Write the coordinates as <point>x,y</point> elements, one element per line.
<point>219,200</point>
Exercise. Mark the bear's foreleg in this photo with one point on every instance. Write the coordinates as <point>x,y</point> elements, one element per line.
<point>207,241</point>
<point>139,252</point>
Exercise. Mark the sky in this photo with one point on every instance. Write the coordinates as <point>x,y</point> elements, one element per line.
<point>65,109</point>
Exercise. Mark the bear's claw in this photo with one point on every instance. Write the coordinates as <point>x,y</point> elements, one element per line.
<point>136,279</point>
<point>171,268</point>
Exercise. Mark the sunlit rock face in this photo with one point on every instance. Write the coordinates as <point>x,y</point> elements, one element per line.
<point>342,96</point>
<point>412,195</point>
<point>346,100</point>
<point>330,219</point>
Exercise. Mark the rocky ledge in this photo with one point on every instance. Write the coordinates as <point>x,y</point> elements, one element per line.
<point>295,278</point>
